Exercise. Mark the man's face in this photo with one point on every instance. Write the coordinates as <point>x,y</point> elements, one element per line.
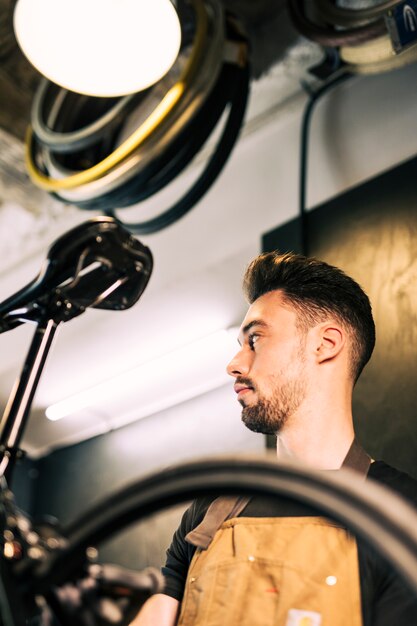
<point>270,367</point>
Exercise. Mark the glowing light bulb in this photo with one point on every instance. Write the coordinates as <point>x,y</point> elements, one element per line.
<point>99,47</point>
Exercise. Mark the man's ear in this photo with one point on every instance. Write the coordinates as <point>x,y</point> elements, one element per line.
<point>331,339</point>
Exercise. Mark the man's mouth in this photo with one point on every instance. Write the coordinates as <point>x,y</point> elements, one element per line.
<point>242,389</point>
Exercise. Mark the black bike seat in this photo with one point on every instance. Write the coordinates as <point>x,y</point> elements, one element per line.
<point>97,264</point>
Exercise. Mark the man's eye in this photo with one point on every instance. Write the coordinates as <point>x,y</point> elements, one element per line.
<point>252,340</point>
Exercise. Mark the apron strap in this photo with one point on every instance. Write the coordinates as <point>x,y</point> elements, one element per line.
<point>227,507</point>
<point>357,459</point>
<point>221,509</point>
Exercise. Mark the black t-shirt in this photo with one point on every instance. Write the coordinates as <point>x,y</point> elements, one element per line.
<point>386,600</point>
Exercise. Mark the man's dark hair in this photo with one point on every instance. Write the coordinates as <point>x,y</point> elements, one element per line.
<point>316,290</point>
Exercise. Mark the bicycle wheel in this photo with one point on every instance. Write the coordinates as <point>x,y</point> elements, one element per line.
<point>374,513</point>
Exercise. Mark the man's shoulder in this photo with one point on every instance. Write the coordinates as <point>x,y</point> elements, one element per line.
<point>196,512</point>
<point>397,480</point>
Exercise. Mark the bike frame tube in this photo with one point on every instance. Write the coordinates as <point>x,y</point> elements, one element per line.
<point>17,410</point>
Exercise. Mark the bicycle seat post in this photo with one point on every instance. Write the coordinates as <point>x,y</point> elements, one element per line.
<point>17,409</point>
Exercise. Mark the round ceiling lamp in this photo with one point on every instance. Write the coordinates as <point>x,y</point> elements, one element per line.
<point>102,48</point>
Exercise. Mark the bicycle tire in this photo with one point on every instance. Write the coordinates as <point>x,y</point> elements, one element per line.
<point>375,513</point>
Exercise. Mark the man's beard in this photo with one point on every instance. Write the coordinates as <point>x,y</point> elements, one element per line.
<point>269,416</point>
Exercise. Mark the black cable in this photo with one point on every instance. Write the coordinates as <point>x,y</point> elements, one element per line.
<point>75,138</point>
<point>163,169</point>
<point>212,169</point>
<point>305,128</point>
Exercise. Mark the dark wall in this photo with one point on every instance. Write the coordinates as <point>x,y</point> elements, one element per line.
<point>371,233</point>
<point>24,484</point>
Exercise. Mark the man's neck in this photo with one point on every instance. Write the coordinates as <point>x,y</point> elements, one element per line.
<point>324,448</point>
<point>320,433</point>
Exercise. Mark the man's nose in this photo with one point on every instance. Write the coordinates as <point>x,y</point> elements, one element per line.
<point>238,366</point>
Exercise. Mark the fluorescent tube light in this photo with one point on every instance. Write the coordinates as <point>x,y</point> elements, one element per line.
<point>151,387</point>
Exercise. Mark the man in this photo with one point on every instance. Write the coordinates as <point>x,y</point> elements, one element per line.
<point>305,339</point>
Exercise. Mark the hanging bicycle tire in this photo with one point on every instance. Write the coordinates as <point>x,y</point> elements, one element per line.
<point>78,150</point>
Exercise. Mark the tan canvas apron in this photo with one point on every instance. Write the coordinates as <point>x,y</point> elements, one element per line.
<point>289,571</point>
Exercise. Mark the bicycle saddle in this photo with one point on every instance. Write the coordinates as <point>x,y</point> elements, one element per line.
<point>97,264</point>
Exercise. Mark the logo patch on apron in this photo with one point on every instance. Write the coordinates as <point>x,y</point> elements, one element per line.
<point>303,618</point>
